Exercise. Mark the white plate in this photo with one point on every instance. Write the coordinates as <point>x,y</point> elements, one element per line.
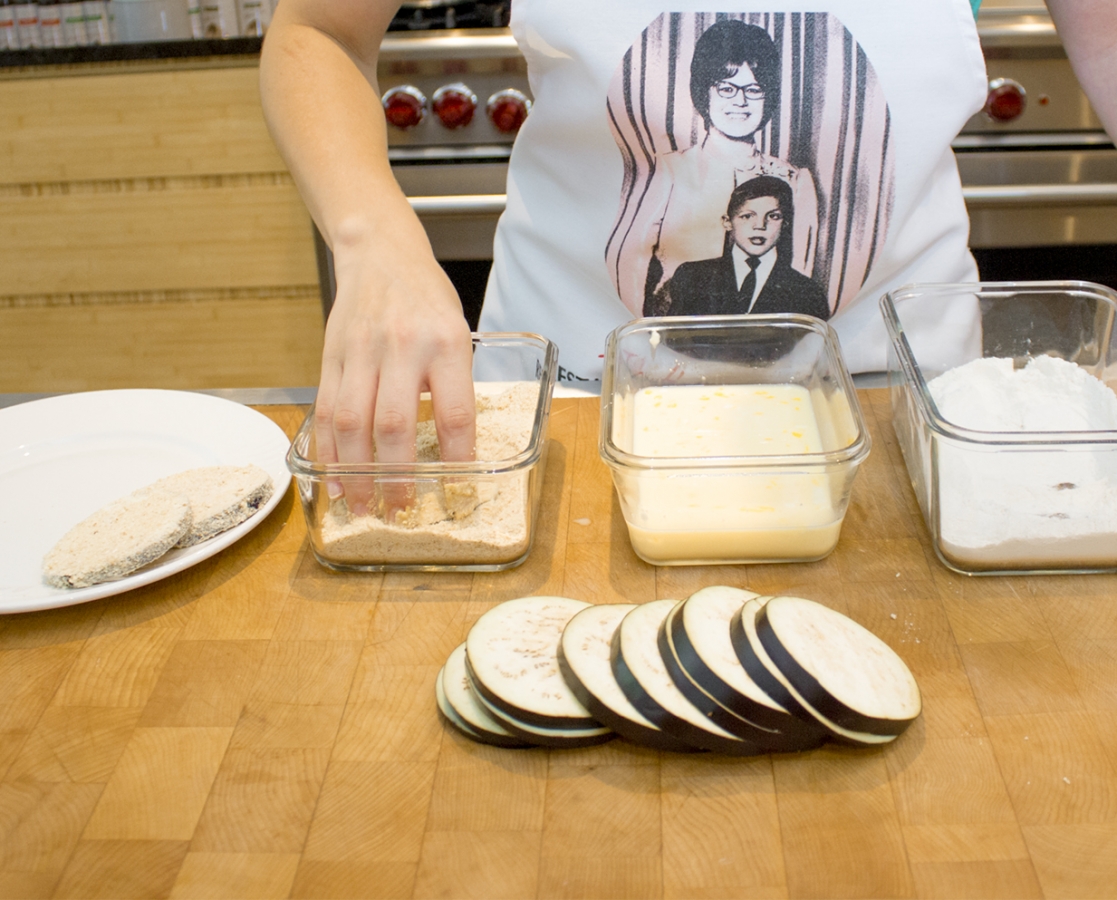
<point>65,457</point>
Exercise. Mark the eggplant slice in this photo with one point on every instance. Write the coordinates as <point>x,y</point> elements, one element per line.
<point>584,658</point>
<point>512,659</point>
<point>838,666</point>
<point>792,739</point>
<point>451,714</point>
<point>643,676</point>
<point>459,704</point>
<point>767,674</point>
<point>555,738</point>
<point>701,636</point>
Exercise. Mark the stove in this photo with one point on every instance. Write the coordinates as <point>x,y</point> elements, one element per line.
<point>1038,171</point>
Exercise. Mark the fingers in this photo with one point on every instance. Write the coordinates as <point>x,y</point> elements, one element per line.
<point>387,342</point>
<point>394,426</point>
<point>455,406</point>
<point>325,446</point>
<point>352,429</point>
<point>455,420</point>
<point>324,411</point>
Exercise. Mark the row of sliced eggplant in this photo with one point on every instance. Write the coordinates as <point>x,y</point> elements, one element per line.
<point>725,670</point>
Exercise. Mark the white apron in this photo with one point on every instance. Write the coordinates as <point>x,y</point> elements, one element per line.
<point>816,134</point>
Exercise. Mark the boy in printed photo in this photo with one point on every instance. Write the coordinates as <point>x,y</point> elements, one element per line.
<point>754,273</point>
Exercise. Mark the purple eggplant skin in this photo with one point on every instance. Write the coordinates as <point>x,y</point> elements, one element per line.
<point>669,722</point>
<point>799,738</point>
<point>626,728</point>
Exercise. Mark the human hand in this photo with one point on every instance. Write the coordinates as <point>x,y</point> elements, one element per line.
<point>396,330</point>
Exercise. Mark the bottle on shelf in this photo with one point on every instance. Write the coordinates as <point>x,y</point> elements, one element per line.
<point>219,19</point>
<point>9,29</point>
<point>254,17</point>
<point>27,25</point>
<point>98,23</point>
<point>194,11</point>
<point>51,32</point>
<point>72,14</point>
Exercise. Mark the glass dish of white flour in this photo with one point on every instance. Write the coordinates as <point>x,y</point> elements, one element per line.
<point>1027,479</point>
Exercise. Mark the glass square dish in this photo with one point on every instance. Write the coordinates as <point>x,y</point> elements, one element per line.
<point>1034,498</point>
<point>731,439</point>
<point>465,516</point>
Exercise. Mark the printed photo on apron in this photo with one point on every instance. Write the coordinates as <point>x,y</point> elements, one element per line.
<point>758,166</point>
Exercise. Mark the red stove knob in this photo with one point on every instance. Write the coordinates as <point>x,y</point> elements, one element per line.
<point>508,109</point>
<point>404,107</point>
<point>1006,100</point>
<point>454,105</point>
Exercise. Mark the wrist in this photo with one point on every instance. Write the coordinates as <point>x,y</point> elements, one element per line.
<point>379,230</point>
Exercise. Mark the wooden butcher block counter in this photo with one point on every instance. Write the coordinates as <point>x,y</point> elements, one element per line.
<point>258,726</point>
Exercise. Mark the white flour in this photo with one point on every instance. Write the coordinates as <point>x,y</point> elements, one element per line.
<point>1025,508</point>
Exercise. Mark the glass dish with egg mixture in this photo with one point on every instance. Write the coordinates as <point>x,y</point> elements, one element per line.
<point>432,515</point>
<point>1008,427</point>
<point>731,439</point>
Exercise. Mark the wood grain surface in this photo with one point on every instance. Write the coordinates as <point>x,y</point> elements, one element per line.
<point>151,235</point>
<point>259,727</point>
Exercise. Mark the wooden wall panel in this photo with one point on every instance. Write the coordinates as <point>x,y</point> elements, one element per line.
<point>108,125</point>
<point>147,237</point>
<point>150,234</point>
<point>183,344</point>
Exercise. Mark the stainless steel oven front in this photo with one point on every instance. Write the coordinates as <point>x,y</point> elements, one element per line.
<point>1038,171</point>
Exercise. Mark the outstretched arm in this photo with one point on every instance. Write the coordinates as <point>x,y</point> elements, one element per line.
<point>396,328</point>
<point>1088,29</point>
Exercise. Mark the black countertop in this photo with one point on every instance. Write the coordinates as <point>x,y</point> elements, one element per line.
<point>130,52</point>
